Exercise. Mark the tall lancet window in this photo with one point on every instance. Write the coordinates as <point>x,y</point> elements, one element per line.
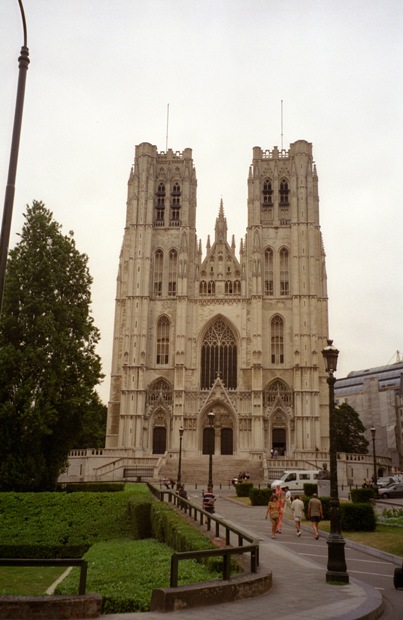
<point>277,340</point>
<point>175,205</point>
<point>160,205</point>
<point>267,193</point>
<point>219,356</point>
<point>284,192</point>
<point>268,272</point>
<point>172,274</point>
<point>284,272</point>
<point>163,340</point>
<point>158,271</point>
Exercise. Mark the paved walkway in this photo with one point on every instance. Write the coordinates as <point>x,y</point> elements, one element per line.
<point>299,587</point>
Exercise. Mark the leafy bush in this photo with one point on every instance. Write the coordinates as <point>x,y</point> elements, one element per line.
<point>357,518</point>
<point>260,497</point>
<point>362,496</point>
<point>391,516</point>
<point>243,488</point>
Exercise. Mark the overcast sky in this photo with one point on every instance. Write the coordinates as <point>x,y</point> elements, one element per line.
<point>103,72</point>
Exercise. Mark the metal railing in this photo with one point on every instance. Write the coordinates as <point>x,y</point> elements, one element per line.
<point>205,518</point>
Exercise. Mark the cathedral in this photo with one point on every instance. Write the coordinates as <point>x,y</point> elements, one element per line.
<point>234,333</point>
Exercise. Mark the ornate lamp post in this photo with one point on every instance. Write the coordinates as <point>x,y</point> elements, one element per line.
<point>23,61</point>
<point>375,475</point>
<point>179,480</point>
<point>211,417</point>
<point>336,563</point>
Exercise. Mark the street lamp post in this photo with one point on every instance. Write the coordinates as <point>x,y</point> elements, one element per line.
<point>375,475</point>
<point>211,417</point>
<point>179,480</point>
<point>23,61</point>
<point>336,563</point>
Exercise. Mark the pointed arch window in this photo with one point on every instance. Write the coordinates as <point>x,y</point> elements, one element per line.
<point>284,191</point>
<point>219,356</point>
<point>163,329</point>
<point>160,205</point>
<point>160,389</point>
<point>175,204</point>
<point>277,340</point>
<point>284,272</point>
<point>268,272</point>
<point>267,193</point>
<point>277,389</point>
<point>172,274</point>
<point>158,272</point>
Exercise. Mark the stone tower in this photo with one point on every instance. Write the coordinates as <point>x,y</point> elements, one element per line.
<point>237,335</point>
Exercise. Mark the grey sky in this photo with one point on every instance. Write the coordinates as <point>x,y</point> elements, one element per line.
<point>101,76</point>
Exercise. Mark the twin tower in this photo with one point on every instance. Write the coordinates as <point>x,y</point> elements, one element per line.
<point>236,333</point>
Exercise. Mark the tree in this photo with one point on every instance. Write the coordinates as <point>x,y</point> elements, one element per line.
<point>349,430</point>
<point>48,364</point>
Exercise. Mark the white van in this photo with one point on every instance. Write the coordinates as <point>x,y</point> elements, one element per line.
<point>295,479</point>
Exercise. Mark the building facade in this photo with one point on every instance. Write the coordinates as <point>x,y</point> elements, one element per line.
<point>236,334</point>
<point>377,396</point>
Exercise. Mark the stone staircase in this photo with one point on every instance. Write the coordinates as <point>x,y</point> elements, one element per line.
<point>195,470</point>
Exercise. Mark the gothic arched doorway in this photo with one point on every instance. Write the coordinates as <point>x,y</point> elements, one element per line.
<point>227,441</point>
<point>208,440</point>
<point>279,440</point>
<point>159,440</point>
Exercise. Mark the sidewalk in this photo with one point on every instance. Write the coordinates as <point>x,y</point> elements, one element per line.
<point>299,585</point>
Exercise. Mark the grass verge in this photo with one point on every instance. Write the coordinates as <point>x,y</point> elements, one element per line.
<point>28,581</point>
<point>114,566</point>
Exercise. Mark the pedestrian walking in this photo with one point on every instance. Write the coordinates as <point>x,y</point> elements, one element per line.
<point>209,500</point>
<point>297,507</point>
<point>274,513</point>
<point>315,513</point>
<point>287,502</point>
<point>281,504</point>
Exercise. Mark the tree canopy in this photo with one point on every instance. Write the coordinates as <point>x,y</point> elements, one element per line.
<point>48,362</point>
<point>349,430</point>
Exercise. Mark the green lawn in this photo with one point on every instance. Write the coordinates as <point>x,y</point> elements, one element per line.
<point>385,538</point>
<point>28,581</point>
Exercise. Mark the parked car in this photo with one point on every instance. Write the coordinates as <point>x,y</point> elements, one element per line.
<point>385,481</point>
<point>393,490</point>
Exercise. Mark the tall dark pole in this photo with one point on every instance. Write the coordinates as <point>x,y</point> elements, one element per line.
<point>336,563</point>
<point>211,442</point>
<point>179,480</point>
<point>23,61</point>
<point>375,474</point>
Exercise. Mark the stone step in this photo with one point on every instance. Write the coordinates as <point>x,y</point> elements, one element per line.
<point>225,468</point>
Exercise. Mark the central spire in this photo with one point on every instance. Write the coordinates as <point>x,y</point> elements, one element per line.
<point>221,225</point>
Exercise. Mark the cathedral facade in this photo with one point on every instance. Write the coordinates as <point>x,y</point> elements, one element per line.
<point>237,334</point>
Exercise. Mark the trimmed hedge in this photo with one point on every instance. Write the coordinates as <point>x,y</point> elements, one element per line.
<point>310,488</point>
<point>243,488</point>
<point>46,525</point>
<point>139,507</point>
<point>260,497</point>
<point>91,487</point>
<point>171,528</point>
<point>362,496</point>
<point>357,518</point>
